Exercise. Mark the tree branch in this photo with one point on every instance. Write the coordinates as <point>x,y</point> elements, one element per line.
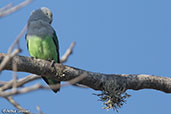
<point>20,82</point>
<point>15,104</point>
<point>6,7</point>
<point>68,52</point>
<point>9,9</point>
<point>8,57</point>
<point>33,87</point>
<point>94,80</point>
<point>113,86</point>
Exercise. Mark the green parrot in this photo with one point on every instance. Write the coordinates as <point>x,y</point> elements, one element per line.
<point>42,42</point>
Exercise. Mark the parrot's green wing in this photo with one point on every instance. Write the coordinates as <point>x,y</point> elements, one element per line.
<point>51,81</point>
<point>55,39</point>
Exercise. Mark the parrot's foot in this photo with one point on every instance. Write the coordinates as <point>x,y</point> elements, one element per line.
<point>32,58</point>
<point>52,63</point>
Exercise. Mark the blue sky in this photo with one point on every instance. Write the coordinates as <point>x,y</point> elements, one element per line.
<point>112,36</point>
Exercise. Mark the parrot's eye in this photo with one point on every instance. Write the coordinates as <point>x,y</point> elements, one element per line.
<point>48,14</point>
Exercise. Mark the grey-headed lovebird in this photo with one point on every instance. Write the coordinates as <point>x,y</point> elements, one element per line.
<point>42,42</point>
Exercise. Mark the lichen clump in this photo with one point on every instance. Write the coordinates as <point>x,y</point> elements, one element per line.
<point>113,95</point>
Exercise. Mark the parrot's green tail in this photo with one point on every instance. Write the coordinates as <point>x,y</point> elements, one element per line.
<point>52,82</point>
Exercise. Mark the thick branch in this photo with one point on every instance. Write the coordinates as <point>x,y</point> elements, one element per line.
<point>97,81</point>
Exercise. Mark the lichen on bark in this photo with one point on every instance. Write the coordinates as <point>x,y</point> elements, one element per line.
<point>113,95</point>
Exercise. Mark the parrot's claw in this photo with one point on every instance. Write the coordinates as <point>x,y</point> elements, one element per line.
<point>32,58</point>
<point>52,63</point>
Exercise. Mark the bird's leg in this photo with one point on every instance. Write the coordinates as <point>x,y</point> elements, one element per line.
<point>52,63</point>
<point>54,68</point>
<point>32,57</point>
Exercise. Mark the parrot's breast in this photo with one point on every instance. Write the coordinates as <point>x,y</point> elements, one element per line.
<point>42,48</point>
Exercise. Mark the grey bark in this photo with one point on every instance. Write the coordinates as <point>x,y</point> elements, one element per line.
<point>93,80</point>
<point>113,86</point>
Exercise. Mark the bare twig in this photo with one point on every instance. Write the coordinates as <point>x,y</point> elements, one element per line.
<point>15,104</point>
<point>11,54</point>
<point>8,57</point>
<point>38,108</point>
<point>3,82</point>
<point>13,9</point>
<point>20,82</point>
<point>38,86</point>
<point>22,91</point>
<point>70,82</point>
<point>16,42</point>
<point>6,7</point>
<point>67,53</point>
<point>14,75</point>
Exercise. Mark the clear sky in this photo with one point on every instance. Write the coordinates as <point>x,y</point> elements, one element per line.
<point>112,36</point>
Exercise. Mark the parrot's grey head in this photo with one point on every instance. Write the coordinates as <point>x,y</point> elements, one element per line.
<point>43,14</point>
